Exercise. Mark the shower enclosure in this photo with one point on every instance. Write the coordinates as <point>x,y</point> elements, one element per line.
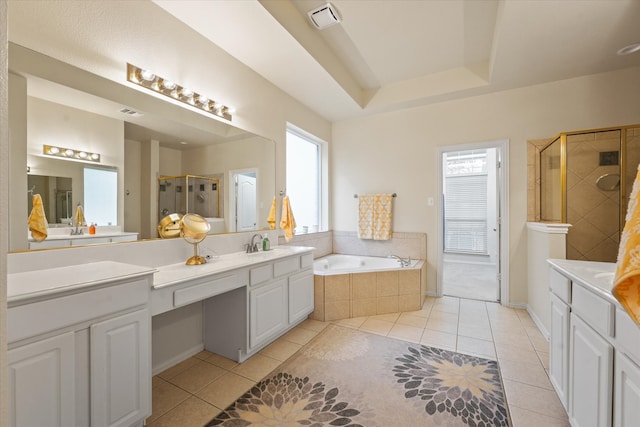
<point>189,194</point>
<point>585,179</point>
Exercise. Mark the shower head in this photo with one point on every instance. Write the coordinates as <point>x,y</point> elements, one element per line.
<point>608,182</point>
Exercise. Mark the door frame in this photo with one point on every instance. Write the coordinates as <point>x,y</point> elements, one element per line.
<point>502,177</point>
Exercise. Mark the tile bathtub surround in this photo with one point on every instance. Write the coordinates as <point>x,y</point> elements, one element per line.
<point>341,296</point>
<point>405,245</point>
<point>481,329</point>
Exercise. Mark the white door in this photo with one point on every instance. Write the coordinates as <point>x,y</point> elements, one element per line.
<point>626,412</point>
<point>300,296</point>
<point>246,193</point>
<point>121,370</point>
<point>559,348</point>
<point>41,383</point>
<point>471,208</point>
<point>590,377</point>
<point>268,311</point>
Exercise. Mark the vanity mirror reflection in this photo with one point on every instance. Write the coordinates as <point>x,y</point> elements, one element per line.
<point>57,197</point>
<point>139,135</point>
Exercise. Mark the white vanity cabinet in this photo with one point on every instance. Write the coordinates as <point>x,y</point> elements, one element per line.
<point>596,343</point>
<point>559,348</point>
<point>267,312</point>
<point>79,346</point>
<point>120,370</point>
<point>42,374</point>
<point>590,376</point>
<point>279,295</point>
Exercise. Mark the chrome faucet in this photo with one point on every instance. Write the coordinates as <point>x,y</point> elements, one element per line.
<point>253,247</point>
<point>403,262</point>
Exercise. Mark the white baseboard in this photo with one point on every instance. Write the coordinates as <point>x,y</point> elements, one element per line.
<point>177,359</point>
<point>538,323</point>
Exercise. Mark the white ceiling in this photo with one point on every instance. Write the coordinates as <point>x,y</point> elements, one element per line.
<point>385,55</point>
<point>393,54</point>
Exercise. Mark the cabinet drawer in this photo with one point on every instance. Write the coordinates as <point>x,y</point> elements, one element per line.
<point>206,289</point>
<point>627,335</point>
<point>306,260</point>
<point>560,285</point>
<point>260,274</point>
<point>37,318</point>
<point>286,266</point>
<point>596,311</point>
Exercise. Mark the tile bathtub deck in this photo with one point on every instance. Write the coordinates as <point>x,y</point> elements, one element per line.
<point>197,389</point>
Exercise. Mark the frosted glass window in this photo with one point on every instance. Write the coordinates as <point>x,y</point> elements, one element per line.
<point>303,181</point>
<point>101,196</point>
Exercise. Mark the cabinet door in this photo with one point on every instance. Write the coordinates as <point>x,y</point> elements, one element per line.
<point>590,377</point>
<point>121,370</point>
<point>559,348</point>
<point>300,296</point>
<point>626,411</point>
<point>268,311</point>
<point>42,383</point>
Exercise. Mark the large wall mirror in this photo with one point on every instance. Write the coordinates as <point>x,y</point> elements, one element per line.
<point>139,136</point>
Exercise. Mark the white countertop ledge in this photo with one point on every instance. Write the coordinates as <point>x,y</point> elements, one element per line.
<point>40,284</point>
<point>86,235</point>
<point>174,274</point>
<point>595,276</point>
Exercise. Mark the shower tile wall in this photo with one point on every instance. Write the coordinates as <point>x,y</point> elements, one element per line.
<point>592,212</point>
<point>633,157</point>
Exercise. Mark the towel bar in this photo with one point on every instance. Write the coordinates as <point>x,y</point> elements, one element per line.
<point>355,196</point>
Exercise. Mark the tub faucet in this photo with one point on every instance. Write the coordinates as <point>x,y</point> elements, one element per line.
<point>403,262</point>
<point>253,247</point>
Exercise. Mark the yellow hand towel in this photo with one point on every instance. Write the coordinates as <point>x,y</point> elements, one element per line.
<point>272,215</point>
<point>287,221</point>
<point>79,217</point>
<point>37,220</point>
<point>374,216</point>
<point>626,282</point>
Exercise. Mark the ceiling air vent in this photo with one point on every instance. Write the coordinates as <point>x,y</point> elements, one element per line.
<point>324,16</point>
<point>130,112</point>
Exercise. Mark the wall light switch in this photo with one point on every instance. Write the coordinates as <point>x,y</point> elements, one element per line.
<point>430,201</point>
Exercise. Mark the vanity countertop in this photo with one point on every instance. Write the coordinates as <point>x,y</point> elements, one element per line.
<point>596,276</point>
<point>38,284</point>
<point>176,273</point>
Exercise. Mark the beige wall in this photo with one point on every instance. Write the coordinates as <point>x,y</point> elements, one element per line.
<point>170,48</point>
<point>397,151</point>
<point>4,215</point>
<point>220,159</point>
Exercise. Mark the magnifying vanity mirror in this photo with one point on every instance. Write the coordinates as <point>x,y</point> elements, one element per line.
<point>140,137</point>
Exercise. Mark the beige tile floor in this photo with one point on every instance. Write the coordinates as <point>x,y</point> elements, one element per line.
<point>195,390</point>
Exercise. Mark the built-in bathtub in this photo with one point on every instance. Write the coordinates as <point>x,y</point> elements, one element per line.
<point>354,286</point>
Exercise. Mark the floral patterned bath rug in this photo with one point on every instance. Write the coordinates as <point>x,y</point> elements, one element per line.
<point>345,377</point>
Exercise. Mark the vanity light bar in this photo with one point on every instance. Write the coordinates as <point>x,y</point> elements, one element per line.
<point>166,87</point>
<point>69,153</point>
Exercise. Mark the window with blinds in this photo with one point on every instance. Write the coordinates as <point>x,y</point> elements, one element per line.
<point>465,209</point>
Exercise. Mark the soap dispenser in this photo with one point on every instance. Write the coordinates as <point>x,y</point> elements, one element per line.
<point>265,242</point>
<point>92,229</point>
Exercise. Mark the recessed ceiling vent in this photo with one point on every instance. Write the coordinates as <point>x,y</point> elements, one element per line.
<point>131,113</point>
<point>324,16</point>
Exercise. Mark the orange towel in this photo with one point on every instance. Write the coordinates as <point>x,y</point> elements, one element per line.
<point>626,283</point>
<point>38,220</point>
<point>272,215</point>
<point>287,221</point>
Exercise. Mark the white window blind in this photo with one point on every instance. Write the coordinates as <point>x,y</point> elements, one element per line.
<point>465,214</point>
